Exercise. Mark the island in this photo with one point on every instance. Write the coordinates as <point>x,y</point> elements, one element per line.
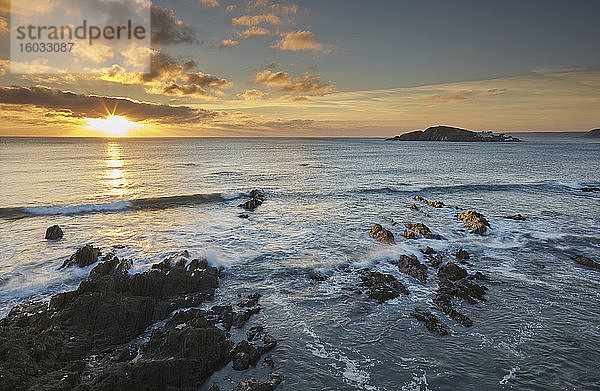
<point>595,133</point>
<point>449,133</point>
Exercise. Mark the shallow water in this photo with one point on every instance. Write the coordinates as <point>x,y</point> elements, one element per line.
<point>538,330</point>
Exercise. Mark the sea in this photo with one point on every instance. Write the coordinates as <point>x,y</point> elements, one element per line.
<point>145,199</point>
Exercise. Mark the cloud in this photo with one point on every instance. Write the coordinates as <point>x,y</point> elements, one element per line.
<point>97,53</point>
<point>301,40</point>
<point>254,20</point>
<point>169,76</point>
<point>263,5</point>
<point>462,95</point>
<point>306,84</point>
<point>291,98</point>
<point>209,3</point>
<point>253,32</point>
<point>230,8</point>
<point>252,95</point>
<point>80,106</point>
<point>166,29</point>
<point>228,44</point>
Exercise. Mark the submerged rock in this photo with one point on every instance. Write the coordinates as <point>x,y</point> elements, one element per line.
<point>474,222</point>
<point>410,265</point>
<point>316,276</point>
<point>381,287</point>
<point>431,322</point>
<point>54,233</point>
<point>382,235</point>
<point>251,384</point>
<point>257,197</point>
<point>585,261</point>
<point>590,189</point>
<point>83,257</point>
<point>517,217</point>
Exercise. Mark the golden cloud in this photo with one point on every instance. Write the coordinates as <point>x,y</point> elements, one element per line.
<point>252,95</point>
<point>254,20</point>
<point>228,44</point>
<point>306,84</point>
<point>301,40</point>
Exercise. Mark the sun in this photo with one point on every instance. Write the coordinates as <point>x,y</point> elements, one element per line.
<point>113,125</point>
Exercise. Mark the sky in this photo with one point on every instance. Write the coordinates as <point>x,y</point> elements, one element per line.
<point>342,68</point>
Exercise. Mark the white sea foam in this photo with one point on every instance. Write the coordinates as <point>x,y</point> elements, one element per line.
<point>512,374</point>
<point>78,209</point>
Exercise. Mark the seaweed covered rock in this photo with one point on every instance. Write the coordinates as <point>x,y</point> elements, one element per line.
<point>462,254</point>
<point>382,235</point>
<point>410,265</point>
<point>587,262</point>
<point>475,222</point>
<point>381,287</point>
<point>419,229</point>
<point>435,204</point>
<point>517,217</point>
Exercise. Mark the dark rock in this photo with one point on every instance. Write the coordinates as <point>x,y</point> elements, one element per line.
<point>54,233</point>
<point>243,216</point>
<point>455,283</point>
<point>421,229</point>
<point>381,287</point>
<point>45,346</point>
<point>269,361</point>
<point>474,222</point>
<point>585,261</point>
<point>248,307</point>
<point>251,384</point>
<point>594,133</point>
<point>590,189</point>
<point>429,251</point>
<point>247,353</point>
<point>436,204</point>
<point>251,300</point>
<point>462,254</point>
<point>214,387</point>
<point>382,235</point>
<point>85,256</point>
<point>410,265</point>
<point>251,204</point>
<point>316,276</point>
<point>414,207</point>
<point>431,322</point>
<point>258,194</point>
<point>515,217</point>
<point>449,133</point>
<point>435,260</point>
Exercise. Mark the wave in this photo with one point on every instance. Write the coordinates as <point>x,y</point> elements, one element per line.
<point>118,206</point>
<point>403,188</point>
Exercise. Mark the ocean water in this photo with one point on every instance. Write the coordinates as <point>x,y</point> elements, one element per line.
<point>539,328</point>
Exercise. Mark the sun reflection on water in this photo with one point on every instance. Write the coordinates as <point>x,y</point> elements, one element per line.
<point>114,177</point>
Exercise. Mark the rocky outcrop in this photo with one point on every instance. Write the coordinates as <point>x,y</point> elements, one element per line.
<point>83,257</point>
<point>590,189</point>
<point>436,204</point>
<point>595,133</point>
<point>455,283</point>
<point>252,384</point>
<point>449,133</point>
<point>247,352</point>
<point>382,235</point>
<point>381,287</point>
<point>419,230</point>
<point>256,199</point>
<point>54,233</point>
<point>410,265</point>
<point>431,322</point>
<point>517,217</point>
<point>585,261</point>
<point>462,254</point>
<point>475,222</point>
<point>50,345</point>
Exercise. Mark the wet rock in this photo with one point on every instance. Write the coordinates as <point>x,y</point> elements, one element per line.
<point>257,197</point>
<point>214,387</point>
<point>455,283</point>
<point>54,233</point>
<point>410,265</point>
<point>429,251</point>
<point>590,189</point>
<point>435,259</point>
<point>251,384</point>
<point>46,345</point>
<point>585,261</point>
<point>475,222</point>
<point>316,276</point>
<point>248,307</point>
<point>462,254</point>
<point>515,217</point>
<point>243,216</point>
<point>269,361</point>
<point>83,257</point>
<point>381,287</point>
<point>420,229</point>
<point>247,352</point>
<point>431,322</point>
<point>382,235</point>
<point>414,207</point>
<point>391,221</point>
<point>436,204</point>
